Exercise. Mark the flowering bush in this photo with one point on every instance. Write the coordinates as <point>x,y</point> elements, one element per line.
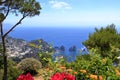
<point>92,66</point>
<point>62,76</point>
<point>25,77</point>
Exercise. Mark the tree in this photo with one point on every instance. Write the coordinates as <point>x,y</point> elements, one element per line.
<point>106,41</point>
<point>27,8</point>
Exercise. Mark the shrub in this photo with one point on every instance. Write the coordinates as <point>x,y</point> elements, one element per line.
<point>30,65</point>
<point>93,67</point>
<point>13,72</point>
<point>44,58</point>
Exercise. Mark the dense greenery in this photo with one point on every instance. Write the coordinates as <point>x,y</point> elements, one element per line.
<point>86,67</point>
<point>93,64</point>
<point>13,72</point>
<point>44,58</point>
<point>105,41</point>
<point>30,65</point>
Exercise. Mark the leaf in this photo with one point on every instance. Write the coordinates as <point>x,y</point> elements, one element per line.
<point>1,17</point>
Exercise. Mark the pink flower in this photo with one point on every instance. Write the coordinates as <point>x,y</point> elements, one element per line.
<point>57,76</point>
<point>29,77</point>
<point>62,76</point>
<point>21,77</point>
<point>69,77</point>
<point>25,77</point>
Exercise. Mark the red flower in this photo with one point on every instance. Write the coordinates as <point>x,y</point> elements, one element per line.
<point>25,77</point>
<point>62,76</point>
<point>57,76</point>
<point>21,77</point>
<point>29,77</point>
<point>69,77</point>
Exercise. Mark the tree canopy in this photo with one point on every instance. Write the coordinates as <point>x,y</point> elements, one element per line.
<point>104,40</point>
<point>27,8</point>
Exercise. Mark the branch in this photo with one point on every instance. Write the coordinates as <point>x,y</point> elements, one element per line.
<point>1,29</point>
<point>4,2</point>
<point>14,26</point>
<point>7,12</point>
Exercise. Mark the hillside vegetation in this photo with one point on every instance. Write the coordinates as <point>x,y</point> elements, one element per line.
<point>101,63</point>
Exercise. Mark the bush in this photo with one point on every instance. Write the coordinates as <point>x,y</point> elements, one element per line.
<point>13,72</point>
<point>93,67</point>
<point>44,58</point>
<point>30,65</point>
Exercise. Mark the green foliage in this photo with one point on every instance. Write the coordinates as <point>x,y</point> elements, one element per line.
<point>13,72</point>
<point>45,51</point>
<point>25,7</point>
<point>30,65</point>
<point>33,45</point>
<point>1,17</point>
<point>93,64</point>
<point>51,67</point>
<point>44,58</point>
<point>41,46</point>
<point>103,40</point>
<point>30,7</point>
<point>85,67</point>
<point>82,76</point>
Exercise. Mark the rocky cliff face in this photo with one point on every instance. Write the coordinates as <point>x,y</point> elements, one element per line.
<point>19,48</point>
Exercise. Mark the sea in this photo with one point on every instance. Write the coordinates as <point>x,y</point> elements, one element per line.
<point>56,36</point>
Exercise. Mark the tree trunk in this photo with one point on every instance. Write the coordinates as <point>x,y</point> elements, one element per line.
<point>5,68</point>
<point>4,52</point>
<point>3,35</point>
<point>4,58</point>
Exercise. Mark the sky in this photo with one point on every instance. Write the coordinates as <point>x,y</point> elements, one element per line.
<point>70,13</point>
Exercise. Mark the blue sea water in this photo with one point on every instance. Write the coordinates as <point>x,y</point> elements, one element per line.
<point>68,37</point>
<point>55,36</point>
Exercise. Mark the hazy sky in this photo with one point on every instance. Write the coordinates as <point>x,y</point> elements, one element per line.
<point>75,13</point>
